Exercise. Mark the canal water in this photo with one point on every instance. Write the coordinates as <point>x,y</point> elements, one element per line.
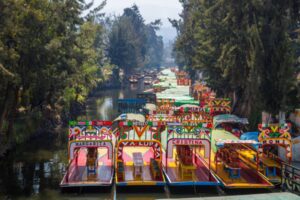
<point>35,169</point>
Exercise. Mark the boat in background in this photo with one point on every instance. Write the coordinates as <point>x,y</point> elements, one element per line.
<point>131,105</point>
<point>133,79</point>
<point>230,123</point>
<point>147,80</point>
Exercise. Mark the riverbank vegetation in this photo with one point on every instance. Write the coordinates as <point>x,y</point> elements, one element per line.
<point>246,50</point>
<point>53,54</point>
<point>49,56</point>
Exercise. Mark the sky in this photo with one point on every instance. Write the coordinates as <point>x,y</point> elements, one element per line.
<point>150,10</point>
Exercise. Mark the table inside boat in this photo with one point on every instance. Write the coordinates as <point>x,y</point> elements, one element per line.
<point>234,171</point>
<point>138,164</point>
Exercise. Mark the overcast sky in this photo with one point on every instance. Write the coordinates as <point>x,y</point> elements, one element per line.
<point>150,10</point>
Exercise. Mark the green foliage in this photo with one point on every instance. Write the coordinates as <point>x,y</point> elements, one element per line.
<point>50,56</point>
<point>134,44</point>
<point>243,49</point>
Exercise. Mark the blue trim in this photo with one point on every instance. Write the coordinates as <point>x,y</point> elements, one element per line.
<point>129,101</point>
<point>160,184</point>
<point>122,184</point>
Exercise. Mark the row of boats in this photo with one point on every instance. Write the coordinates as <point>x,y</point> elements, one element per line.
<point>176,134</point>
<point>148,77</point>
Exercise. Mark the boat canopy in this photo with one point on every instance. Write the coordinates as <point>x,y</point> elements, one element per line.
<point>131,117</point>
<point>150,106</point>
<point>228,118</point>
<point>187,102</point>
<point>250,136</point>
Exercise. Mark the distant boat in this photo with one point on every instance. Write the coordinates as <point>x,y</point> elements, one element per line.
<point>147,80</point>
<point>133,79</point>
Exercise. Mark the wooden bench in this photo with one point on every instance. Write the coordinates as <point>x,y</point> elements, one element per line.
<point>120,171</point>
<point>155,169</point>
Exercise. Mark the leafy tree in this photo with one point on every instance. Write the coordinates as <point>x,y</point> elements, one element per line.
<point>243,49</point>
<point>50,57</point>
<point>134,44</point>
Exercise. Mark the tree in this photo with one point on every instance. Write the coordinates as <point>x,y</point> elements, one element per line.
<point>134,44</point>
<point>50,56</point>
<point>243,49</point>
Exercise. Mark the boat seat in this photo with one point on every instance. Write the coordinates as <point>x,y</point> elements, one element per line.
<point>120,170</point>
<point>155,169</point>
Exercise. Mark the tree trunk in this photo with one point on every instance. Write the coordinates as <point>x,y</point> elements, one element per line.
<point>13,111</point>
<point>4,110</point>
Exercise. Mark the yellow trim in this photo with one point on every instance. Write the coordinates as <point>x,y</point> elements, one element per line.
<point>156,141</point>
<point>73,141</point>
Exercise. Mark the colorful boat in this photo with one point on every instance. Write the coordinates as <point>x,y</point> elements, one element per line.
<point>193,113</point>
<point>139,155</point>
<point>273,137</point>
<point>231,165</point>
<point>150,97</point>
<point>230,123</point>
<point>133,79</point>
<point>147,80</point>
<point>131,105</point>
<point>90,153</point>
<point>201,92</point>
<point>218,106</point>
<point>165,105</point>
<point>187,157</point>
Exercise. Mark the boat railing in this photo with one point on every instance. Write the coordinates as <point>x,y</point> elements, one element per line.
<point>68,169</point>
<point>290,178</point>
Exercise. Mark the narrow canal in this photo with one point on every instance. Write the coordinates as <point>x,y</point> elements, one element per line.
<point>34,170</point>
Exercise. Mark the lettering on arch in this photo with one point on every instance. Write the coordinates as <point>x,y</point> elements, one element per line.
<point>190,142</point>
<point>155,145</point>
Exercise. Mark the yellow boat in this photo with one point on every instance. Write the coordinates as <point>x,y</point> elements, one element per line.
<point>231,165</point>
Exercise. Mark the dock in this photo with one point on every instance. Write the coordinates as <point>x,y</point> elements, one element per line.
<point>266,196</point>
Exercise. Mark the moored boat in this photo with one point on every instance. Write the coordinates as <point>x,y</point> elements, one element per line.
<point>133,79</point>
<point>187,158</point>
<point>229,165</point>
<point>147,80</point>
<point>139,155</point>
<point>90,153</point>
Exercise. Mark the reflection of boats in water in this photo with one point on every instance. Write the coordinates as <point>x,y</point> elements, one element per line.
<point>133,79</point>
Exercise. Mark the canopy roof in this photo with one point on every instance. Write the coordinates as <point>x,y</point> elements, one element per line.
<point>220,134</point>
<point>189,106</point>
<point>180,103</point>
<point>131,117</point>
<point>228,118</point>
<point>150,106</point>
<point>250,136</point>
